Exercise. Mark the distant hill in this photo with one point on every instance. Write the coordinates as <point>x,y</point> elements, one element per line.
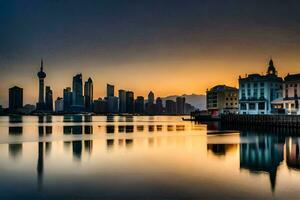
<point>198,101</point>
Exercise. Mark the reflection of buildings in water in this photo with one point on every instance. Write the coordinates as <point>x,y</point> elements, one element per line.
<point>45,129</point>
<point>110,118</point>
<point>121,142</point>
<point>129,142</point>
<point>77,149</point>
<point>48,129</point>
<point>213,125</point>
<point>129,118</point>
<point>67,129</point>
<point>292,153</point>
<point>40,165</point>
<point>159,128</point>
<point>15,150</point>
<point>15,130</point>
<point>88,118</point>
<point>88,129</point>
<point>170,128</point>
<point>129,128</point>
<point>151,142</point>
<point>109,143</point>
<point>76,118</point>
<point>15,119</point>
<point>121,129</point>
<point>48,147</point>
<point>140,128</point>
<point>264,155</point>
<point>180,127</point>
<point>88,146</point>
<point>49,118</point>
<point>221,149</point>
<point>110,129</point>
<point>73,129</point>
<point>150,128</point>
<point>67,145</point>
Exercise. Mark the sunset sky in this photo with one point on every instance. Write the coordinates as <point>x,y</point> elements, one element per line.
<point>167,46</point>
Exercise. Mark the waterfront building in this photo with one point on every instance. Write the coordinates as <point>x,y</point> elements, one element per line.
<point>159,109</point>
<point>112,104</point>
<point>99,106</point>
<point>77,99</point>
<point>180,101</point>
<point>170,107</point>
<point>188,108</point>
<point>122,101</point>
<point>139,105</point>
<point>59,105</point>
<point>110,90</point>
<point>67,96</point>
<point>150,98</point>
<point>129,102</point>
<point>88,94</point>
<point>49,99</point>
<point>41,75</point>
<point>28,109</point>
<point>222,99</point>
<point>256,92</point>
<point>291,92</point>
<point>15,99</point>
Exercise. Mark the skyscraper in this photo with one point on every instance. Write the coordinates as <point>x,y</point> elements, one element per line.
<point>49,99</point>
<point>112,104</point>
<point>41,75</point>
<point>67,99</point>
<point>129,102</point>
<point>88,94</point>
<point>151,98</point>
<point>122,101</point>
<point>15,99</point>
<point>110,90</point>
<point>139,105</point>
<point>180,101</point>
<point>159,106</point>
<point>170,107</point>
<point>77,100</point>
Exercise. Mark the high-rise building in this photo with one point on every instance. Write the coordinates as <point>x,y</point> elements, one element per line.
<point>122,101</point>
<point>88,94</point>
<point>129,102</point>
<point>49,99</point>
<point>110,90</point>
<point>180,101</point>
<point>139,105</point>
<point>170,107</point>
<point>67,99</point>
<point>112,104</point>
<point>99,106</point>
<point>59,105</point>
<point>77,100</point>
<point>15,99</point>
<point>41,75</point>
<point>159,106</point>
<point>151,98</point>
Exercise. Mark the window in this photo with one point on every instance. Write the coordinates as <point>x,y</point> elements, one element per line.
<point>252,106</point>
<point>261,105</point>
<point>243,106</point>
<point>255,93</point>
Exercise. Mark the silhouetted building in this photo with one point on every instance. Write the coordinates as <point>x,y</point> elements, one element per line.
<point>122,101</point>
<point>59,105</point>
<point>159,106</point>
<point>180,101</point>
<point>150,98</point>
<point>41,75</point>
<point>222,99</point>
<point>112,104</point>
<point>15,99</point>
<point>49,99</point>
<point>77,100</point>
<point>129,102</point>
<point>139,105</point>
<point>67,99</point>
<point>28,109</point>
<point>170,107</point>
<point>256,92</point>
<point>88,94</point>
<point>188,108</point>
<point>110,90</point>
<point>99,106</point>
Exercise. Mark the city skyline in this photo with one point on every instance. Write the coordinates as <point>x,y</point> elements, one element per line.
<point>182,45</point>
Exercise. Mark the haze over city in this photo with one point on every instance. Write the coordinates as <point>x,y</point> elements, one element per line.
<point>169,47</point>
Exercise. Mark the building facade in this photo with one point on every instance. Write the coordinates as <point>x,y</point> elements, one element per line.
<point>67,96</point>
<point>291,92</point>
<point>49,99</point>
<point>59,105</point>
<point>77,94</point>
<point>15,99</point>
<point>139,105</point>
<point>122,101</point>
<point>88,94</point>
<point>110,90</point>
<point>222,99</point>
<point>256,92</point>
<point>129,102</point>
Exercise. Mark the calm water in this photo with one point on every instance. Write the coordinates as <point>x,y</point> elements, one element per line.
<point>83,157</point>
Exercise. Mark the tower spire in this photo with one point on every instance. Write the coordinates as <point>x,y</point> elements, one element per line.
<point>42,64</point>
